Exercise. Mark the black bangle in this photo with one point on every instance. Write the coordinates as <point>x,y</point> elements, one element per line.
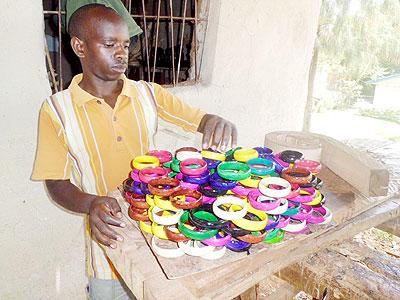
<point>290,156</point>
<point>235,231</point>
<point>210,192</point>
<point>204,224</point>
<point>315,182</point>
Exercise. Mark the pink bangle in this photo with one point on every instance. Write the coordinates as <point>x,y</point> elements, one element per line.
<point>202,166</point>
<point>326,214</point>
<point>135,175</point>
<point>255,197</point>
<point>304,198</point>
<point>241,190</point>
<point>280,161</point>
<point>188,185</point>
<point>311,165</point>
<point>218,242</point>
<point>147,174</point>
<point>162,155</point>
<point>283,222</point>
<point>295,191</point>
<point>303,214</point>
<point>208,200</point>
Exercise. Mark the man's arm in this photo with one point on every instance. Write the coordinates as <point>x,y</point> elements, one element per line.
<point>221,131</point>
<point>102,211</point>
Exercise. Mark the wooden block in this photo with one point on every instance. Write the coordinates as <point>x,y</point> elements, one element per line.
<point>359,169</point>
<point>392,226</point>
<point>349,271</point>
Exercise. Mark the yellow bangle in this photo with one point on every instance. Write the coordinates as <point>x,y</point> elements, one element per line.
<point>163,202</point>
<point>250,224</point>
<point>150,200</point>
<point>144,161</point>
<point>317,200</point>
<point>158,231</point>
<point>251,182</point>
<point>213,155</point>
<point>145,227</point>
<point>244,155</point>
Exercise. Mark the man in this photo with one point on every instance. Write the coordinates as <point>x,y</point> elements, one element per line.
<point>90,132</point>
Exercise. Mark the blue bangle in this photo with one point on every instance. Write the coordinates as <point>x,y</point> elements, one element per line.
<point>211,163</point>
<point>203,178</point>
<point>267,166</point>
<point>237,245</point>
<point>292,210</point>
<point>263,151</point>
<point>132,186</point>
<point>273,224</point>
<point>278,166</point>
<point>144,188</point>
<point>218,183</point>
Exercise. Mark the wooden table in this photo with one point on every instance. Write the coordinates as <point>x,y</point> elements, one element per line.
<point>152,277</point>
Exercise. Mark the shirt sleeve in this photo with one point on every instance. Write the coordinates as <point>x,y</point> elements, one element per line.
<point>173,110</point>
<point>52,160</point>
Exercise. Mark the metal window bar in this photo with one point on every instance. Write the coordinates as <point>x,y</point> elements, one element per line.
<point>145,18</point>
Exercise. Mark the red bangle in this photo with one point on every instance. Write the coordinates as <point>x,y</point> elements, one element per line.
<point>297,175</point>
<point>147,174</point>
<point>130,196</point>
<point>187,193</point>
<point>202,166</point>
<point>311,165</point>
<point>162,155</point>
<point>295,191</point>
<point>175,236</point>
<point>138,214</point>
<point>252,238</point>
<point>164,186</point>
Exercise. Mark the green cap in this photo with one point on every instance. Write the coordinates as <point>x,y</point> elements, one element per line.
<point>74,5</point>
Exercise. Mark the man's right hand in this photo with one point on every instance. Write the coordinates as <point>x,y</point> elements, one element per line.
<point>103,212</point>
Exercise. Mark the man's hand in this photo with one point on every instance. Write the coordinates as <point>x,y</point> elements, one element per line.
<point>103,212</point>
<point>217,132</point>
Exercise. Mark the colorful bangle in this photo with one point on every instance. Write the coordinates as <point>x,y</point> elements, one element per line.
<point>188,185</point>
<point>275,236</point>
<point>170,219</point>
<point>209,191</point>
<point>218,183</point>
<point>232,170</point>
<point>283,222</point>
<point>297,175</point>
<point>290,156</point>
<point>303,214</point>
<point>214,155</point>
<point>313,166</point>
<point>162,155</point>
<point>140,203</point>
<point>149,173</point>
<point>252,181</point>
<point>187,152</point>
<point>293,209</point>
<point>178,199</point>
<point>163,202</point>
<point>144,188</point>
<point>202,179</point>
<point>234,231</point>
<point>295,225</point>
<point>276,193</point>
<point>254,237</point>
<point>263,151</point>
<point>261,166</point>
<point>158,231</point>
<point>196,234</point>
<point>273,221</point>
<point>327,214</point>
<point>138,214</point>
<point>165,252</point>
<point>211,164</point>
<point>221,239</point>
<point>278,159</point>
<point>229,215</point>
<point>252,225</point>
<point>261,202</point>
<point>208,200</point>
<point>305,195</point>
<point>135,175</point>
<point>200,217</point>
<point>174,234</point>
<point>283,206</point>
<point>144,161</point>
<point>317,199</point>
<point>193,166</point>
<point>279,165</point>
<point>238,246</point>
<point>145,226</point>
<point>163,186</point>
<point>241,190</point>
<point>244,155</point>
<point>193,248</point>
<point>132,186</point>
<point>230,153</point>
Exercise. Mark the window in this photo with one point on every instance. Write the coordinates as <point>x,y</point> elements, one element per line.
<point>167,52</point>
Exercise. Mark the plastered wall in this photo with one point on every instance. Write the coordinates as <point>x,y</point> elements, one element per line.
<point>254,71</point>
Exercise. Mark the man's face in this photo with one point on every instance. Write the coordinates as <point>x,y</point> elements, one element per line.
<point>106,49</point>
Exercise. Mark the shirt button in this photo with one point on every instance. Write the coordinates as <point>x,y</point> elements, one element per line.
<point>98,102</point>
<point>114,119</point>
<point>119,138</point>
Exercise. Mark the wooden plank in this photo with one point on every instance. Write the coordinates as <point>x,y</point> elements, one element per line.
<point>359,169</point>
<point>350,271</point>
<point>392,226</point>
<point>228,281</point>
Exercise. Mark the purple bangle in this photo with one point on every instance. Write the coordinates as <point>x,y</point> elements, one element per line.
<point>144,188</point>
<point>179,176</point>
<point>303,198</point>
<point>278,166</point>
<point>303,214</point>
<point>188,185</point>
<point>237,245</point>
<point>208,200</point>
<point>272,223</point>
<point>241,190</point>
<point>316,216</point>
<point>133,187</point>
<point>201,179</point>
<point>135,175</point>
<point>211,163</point>
<point>280,161</point>
<point>263,151</point>
<point>218,183</point>
<point>283,222</point>
<point>218,240</point>
<point>272,203</point>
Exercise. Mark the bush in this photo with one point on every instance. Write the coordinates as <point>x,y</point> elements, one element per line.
<point>391,115</point>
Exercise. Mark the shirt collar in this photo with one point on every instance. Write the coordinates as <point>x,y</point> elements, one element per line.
<point>80,96</point>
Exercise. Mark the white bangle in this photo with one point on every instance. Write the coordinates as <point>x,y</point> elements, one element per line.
<point>216,254</point>
<point>229,215</point>
<point>283,206</point>
<point>328,216</point>
<point>168,219</point>
<point>263,187</point>
<point>182,155</point>
<point>295,225</point>
<point>190,248</point>
<point>166,252</point>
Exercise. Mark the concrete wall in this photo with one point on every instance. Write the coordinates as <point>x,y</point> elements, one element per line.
<point>387,94</point>
<point>255,72</point>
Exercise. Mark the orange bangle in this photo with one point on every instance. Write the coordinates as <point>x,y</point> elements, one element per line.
<point>297,175</point>
<point>175,236</point>
<point>185,204</point>
<point>138,214</point>
<point>157,186</point>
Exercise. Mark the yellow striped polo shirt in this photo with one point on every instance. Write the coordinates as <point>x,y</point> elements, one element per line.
<point>111,138</point>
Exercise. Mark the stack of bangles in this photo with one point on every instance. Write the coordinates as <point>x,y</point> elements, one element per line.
<point>204,202</point>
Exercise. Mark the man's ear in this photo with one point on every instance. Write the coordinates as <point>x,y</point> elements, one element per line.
<point>78,47</point>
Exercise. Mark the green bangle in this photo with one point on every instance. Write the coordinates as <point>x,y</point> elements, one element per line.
<point>229,153</point>
<point>267,169</point>
<point>198,235</point>
<point>233,170</point>
<point>172,174</point>
<point>167,164</point>
<point>175,165</point>
<point>292,211</point>
<point>275,236</point>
